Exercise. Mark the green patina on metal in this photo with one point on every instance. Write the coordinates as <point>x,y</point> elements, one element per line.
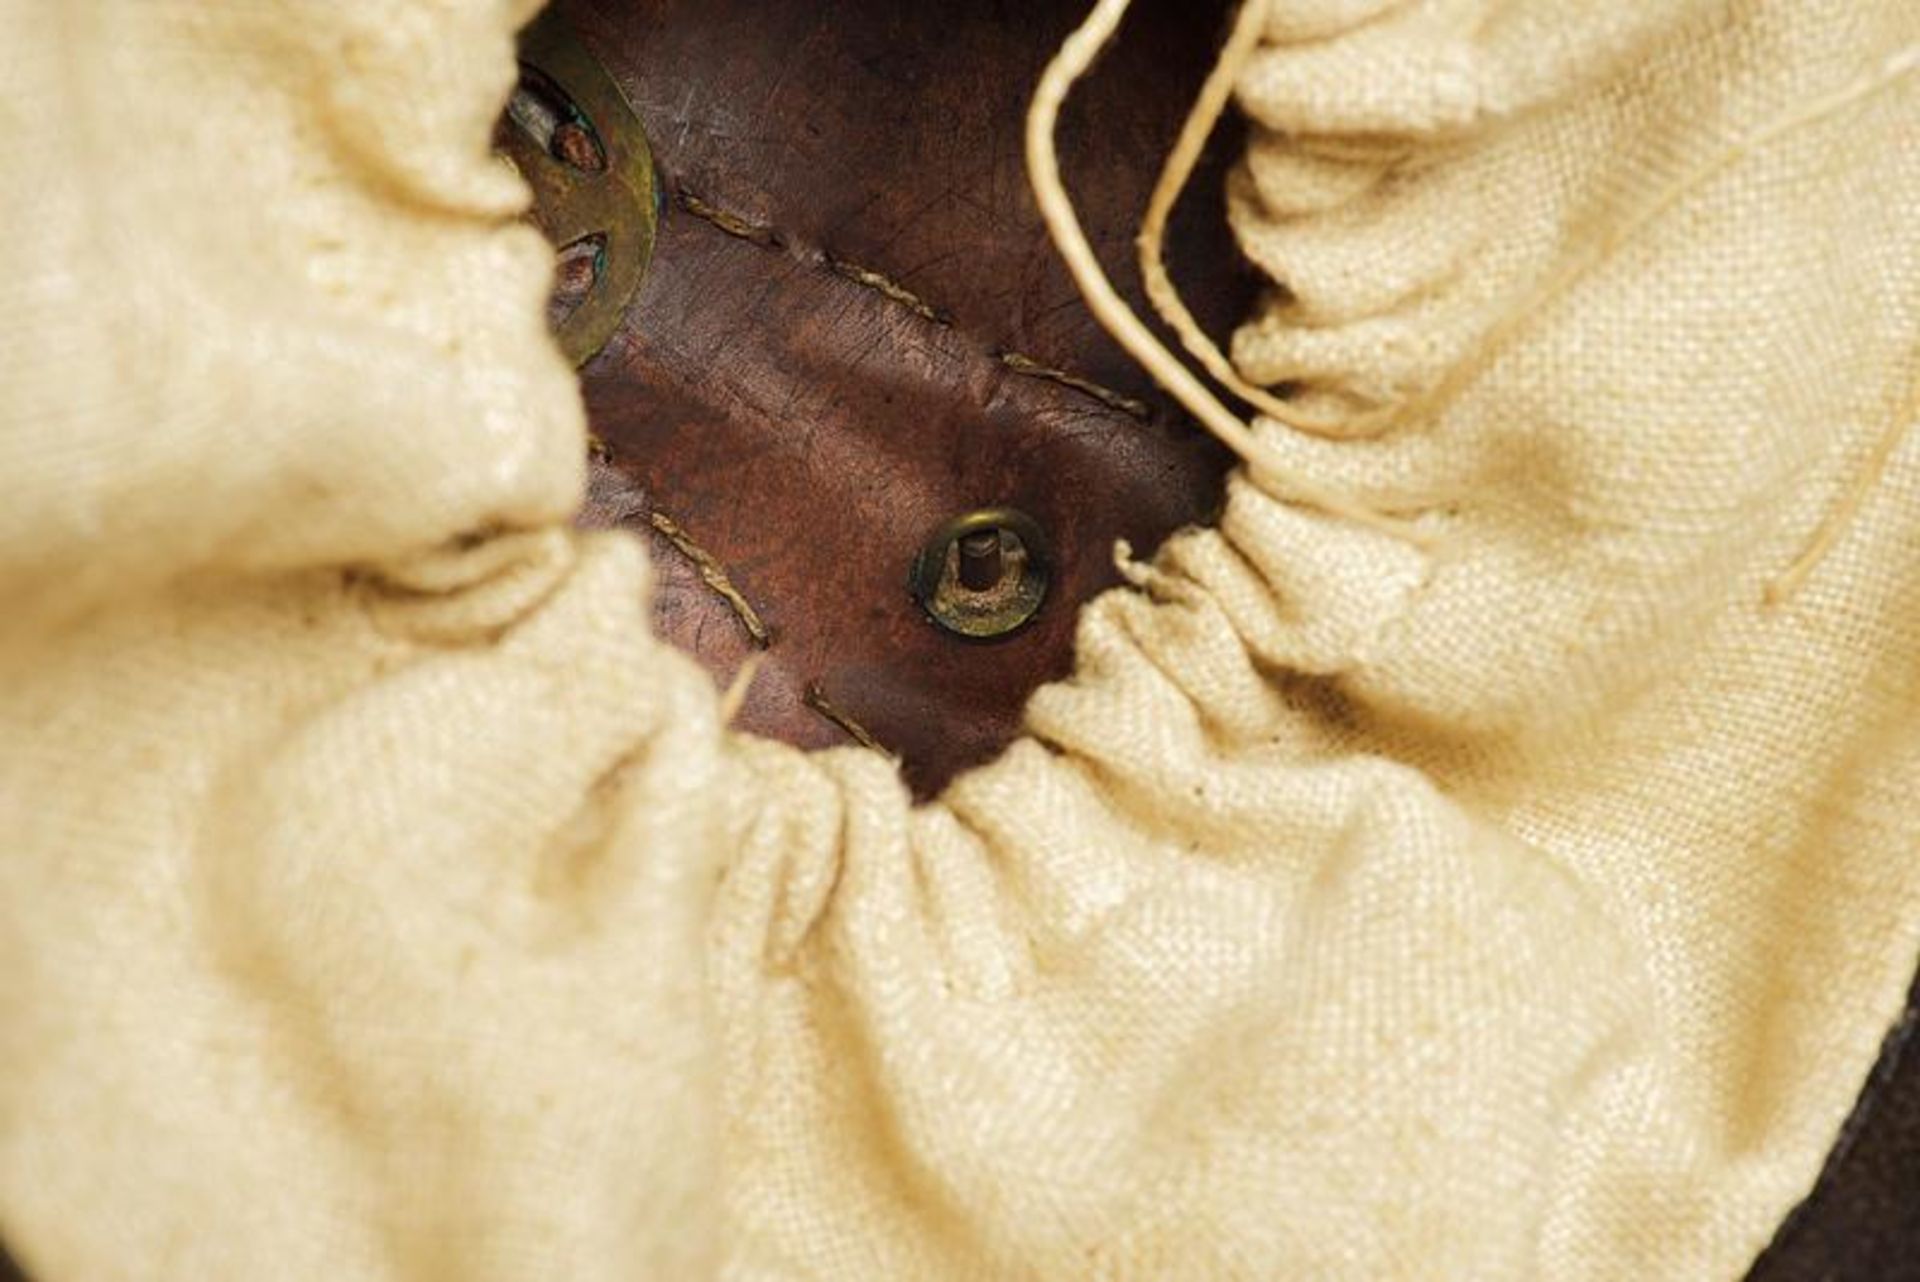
<point>579,144</point>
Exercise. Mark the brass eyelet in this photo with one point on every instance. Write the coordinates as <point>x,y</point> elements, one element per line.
<point>984,574</point>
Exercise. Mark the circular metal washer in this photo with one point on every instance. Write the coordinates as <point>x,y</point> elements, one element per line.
<point>577,141</point>
<point>1005,605</point>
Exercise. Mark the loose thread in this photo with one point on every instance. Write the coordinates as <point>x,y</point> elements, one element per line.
<point>1149,578</point>
<point>735,697</point>
<point>1841,515</point>
<point>715,576</point>
<point>816,698</point>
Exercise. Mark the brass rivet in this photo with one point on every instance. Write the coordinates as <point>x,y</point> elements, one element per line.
<point>983,574</point>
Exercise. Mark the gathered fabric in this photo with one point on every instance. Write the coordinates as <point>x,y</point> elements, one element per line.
<point>1524,899</point>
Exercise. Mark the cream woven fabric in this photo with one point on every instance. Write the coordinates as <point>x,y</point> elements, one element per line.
<point>380,901</point>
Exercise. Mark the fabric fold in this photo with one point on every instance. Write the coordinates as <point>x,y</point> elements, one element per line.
<point>381,899</point>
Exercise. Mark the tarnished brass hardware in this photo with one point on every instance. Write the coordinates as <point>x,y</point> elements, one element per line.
<point>577,141</point>
<point>983,574</point>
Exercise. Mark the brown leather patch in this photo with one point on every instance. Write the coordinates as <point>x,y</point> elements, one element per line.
<point>854,329</point>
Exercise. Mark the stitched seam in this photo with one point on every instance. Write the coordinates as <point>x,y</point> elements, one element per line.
<point>767,236</point>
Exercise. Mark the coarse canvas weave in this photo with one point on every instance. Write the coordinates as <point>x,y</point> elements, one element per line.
<point>1525,897</point>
